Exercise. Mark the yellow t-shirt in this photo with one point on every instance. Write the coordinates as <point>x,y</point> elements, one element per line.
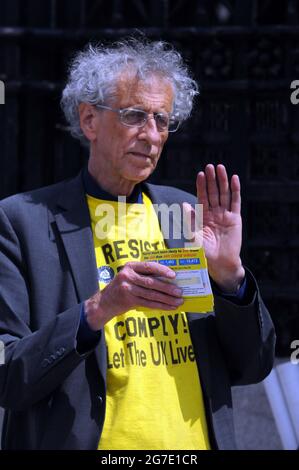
<point>154,397</point>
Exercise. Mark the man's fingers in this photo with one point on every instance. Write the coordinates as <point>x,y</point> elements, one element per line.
<point>152,296</point>
<point>151,267</point>
<point>223,184</point>
<point>212,187</point>
<point>156,305</point>
<point>236,195</point>
<point>202,195</point>
<point>150,282</point>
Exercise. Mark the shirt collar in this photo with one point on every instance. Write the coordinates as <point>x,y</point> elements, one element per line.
<point>94,189</point>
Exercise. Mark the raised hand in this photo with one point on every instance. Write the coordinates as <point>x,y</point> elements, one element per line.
<point>222,225</point>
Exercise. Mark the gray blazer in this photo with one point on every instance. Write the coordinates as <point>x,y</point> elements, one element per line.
<point>54,397</point>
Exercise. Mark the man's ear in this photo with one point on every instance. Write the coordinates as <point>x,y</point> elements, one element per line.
<point>88,117</point>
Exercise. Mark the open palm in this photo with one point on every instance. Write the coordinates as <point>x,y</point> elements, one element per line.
<point>222,225</point>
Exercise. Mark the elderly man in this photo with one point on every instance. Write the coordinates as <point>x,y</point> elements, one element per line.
<point>76,307</point>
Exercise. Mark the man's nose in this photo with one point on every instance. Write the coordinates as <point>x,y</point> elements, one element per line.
<point>150,132</point>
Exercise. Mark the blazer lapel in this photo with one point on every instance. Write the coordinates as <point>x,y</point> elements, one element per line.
<point>73,222</point>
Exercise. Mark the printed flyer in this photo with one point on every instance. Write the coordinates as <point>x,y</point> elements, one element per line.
<point>190,266</point>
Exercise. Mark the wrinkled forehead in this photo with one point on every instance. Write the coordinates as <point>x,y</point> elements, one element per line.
<point>131,87</point>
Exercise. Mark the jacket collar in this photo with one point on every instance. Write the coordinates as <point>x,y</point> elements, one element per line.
<point>73,222</point>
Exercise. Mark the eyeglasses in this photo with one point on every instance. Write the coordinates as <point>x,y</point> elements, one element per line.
<point>132,117</point>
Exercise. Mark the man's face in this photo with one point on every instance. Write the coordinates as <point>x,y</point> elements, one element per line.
<point>130,154</point>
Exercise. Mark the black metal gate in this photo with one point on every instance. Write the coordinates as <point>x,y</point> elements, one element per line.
<point>244,53</point>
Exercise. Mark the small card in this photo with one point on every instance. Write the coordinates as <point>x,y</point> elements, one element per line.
<point>190,266</point>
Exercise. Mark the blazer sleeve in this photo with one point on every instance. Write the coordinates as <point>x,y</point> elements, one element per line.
<point>36,362</point>
<point>246,335</point>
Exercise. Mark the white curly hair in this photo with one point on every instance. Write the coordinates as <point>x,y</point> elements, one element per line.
<point>94,72</point>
